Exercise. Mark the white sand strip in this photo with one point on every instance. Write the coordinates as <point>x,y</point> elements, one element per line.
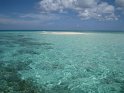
<point>62,33</point>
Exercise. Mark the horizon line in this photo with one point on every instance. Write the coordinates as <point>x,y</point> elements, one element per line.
<point>68,30</point>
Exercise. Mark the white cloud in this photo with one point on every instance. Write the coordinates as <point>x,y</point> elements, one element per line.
<point>30,18</point>
<point>57,5</point>
<point>120,3</point>
<point>41,16</point>
<point>8,20</point>
<point>86,9</point>
<point>86,3</point>
<point>105,8</point>
<point>102,11</point>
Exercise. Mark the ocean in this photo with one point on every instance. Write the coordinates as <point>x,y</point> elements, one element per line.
<point>47,62</point>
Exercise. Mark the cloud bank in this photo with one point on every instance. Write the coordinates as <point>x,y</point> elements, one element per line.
<point>120,3</point>
<point>85,9</point>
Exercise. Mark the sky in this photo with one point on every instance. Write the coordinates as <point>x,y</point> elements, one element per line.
<point>62,15</point>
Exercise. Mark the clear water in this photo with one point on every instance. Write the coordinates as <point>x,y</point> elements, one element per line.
<point>31,62</point>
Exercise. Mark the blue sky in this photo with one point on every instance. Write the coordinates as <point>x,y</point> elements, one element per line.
<point>61,14</point>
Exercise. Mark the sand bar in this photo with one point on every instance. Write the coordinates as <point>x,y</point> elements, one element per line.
<point>62,33</point>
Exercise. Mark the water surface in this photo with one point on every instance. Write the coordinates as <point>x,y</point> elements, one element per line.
<point>32,62</point>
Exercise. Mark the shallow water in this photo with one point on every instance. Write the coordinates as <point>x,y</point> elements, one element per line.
<point>31,62</point>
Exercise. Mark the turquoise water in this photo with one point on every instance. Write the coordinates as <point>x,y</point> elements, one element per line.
<point>31,62</point>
